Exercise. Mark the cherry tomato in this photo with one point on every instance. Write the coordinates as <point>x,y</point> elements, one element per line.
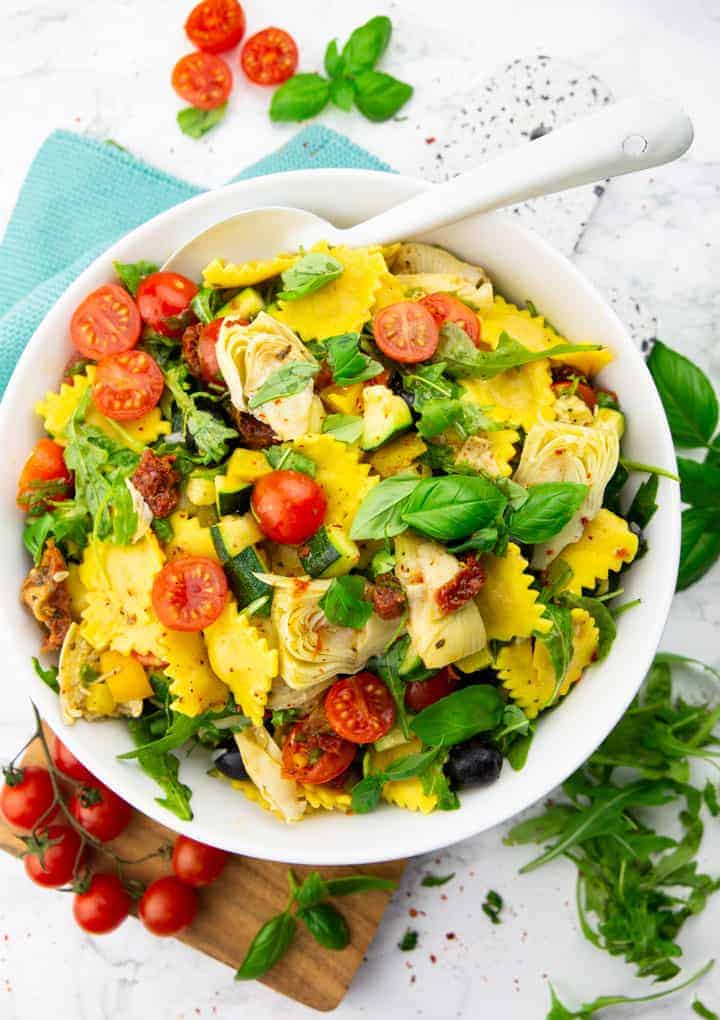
<point>406,332</point>
<point>421,693</point>
<point>195,863</point>
<point>106,322</point>
<point>580,389</point>
<point>26,796</point>
<point>127,385</point>
<point>45,464</point>
<point>68,764</point>
<point>446,308</point>
<point>189,593</point>
<point>104,906</point>
<point>289,506</point>
<point>215,25</point>
<point>207,355</point>
<point>360,708</point>
<point>58,860</point>
<point>164,302</point>
<point>168,906</point>
<point>203,80</point>
<point>100,811</point>
<point>315,754</point>
<point>269,57</point>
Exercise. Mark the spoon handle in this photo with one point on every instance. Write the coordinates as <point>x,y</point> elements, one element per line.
<point>632,135</point>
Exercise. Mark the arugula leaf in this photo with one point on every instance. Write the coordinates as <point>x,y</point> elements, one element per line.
<point>299,98</point>
<point>163,767</point>
<point>459,716</point>
<point>326,925</point>
<point>439,414</point>
<point>409,941</point>
<point>687,396</point>
<point>180,730</point>
<point>387,667</point>
<point>548,508</point>
<point>699,545</point>
<point>309,274</point>
<point>349,884</point>
<point>284,716</point>
<point>68,523</point>
<point>429,382</point>
<point>366,794</point>
<point>364,47</point>
<point>614,488</point>
<point>196,123</point>
<point>290,460</point>
<point>284,382</point>
<point>644,503</point>
<point>163,529</point>
<point>269,945</point>
<point>559,644</point>
<point>346,427</point>
<point>343,602</point>
<point>430,881</point>
<point>347,362</point>
<point>131,274</point>
<point>380,513</point>
<point>379,96</point>
<point>209,434</point>
<point>453,506</point>
<point>208,301</point>
<point>699,483</point>
<point>48,675</point>
<point>703,1011</point>
<point>436,784</point>
<point>463,359</point>
<point>602,618</point>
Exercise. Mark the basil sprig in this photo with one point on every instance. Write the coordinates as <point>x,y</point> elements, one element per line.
<point>343,602</point>
<point>196,123</point>
<point>309,274</point>
<point>464,360</point>
<point>284,382</point>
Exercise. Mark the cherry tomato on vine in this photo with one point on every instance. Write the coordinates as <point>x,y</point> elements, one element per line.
<point>103,906</point>
<point>168,906</point>
<point>215,25</point>
<point>56,863</point>
<point>189,593</point>
<point>315,754</point>
<point>421,693</point>
<point>45,464</point>
<point>100,811</point>
<point>360,708</point>
<point>406,332</point>
<point>446,308</point>
<point>26,796</point>
<point>68,764</point>
<point>106,322</point>
<point>163,300</point>
<point>269,57</point>
<point>289,506</point>
<point>127,386</point>
<point>196,863</point>
<point>203,80</point>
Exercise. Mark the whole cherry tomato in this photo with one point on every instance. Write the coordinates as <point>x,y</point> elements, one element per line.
<point>421,693</point>
<point>103,906</point>
<point>163,300</point>
<point>289,506</point>
<point>168,906</point>
<point>66,761</point>
<point>360,708</point>
<point>55,864</point>
<point>27,796</point>
<point>195,863</point>
<point>100,811</point>
<point>207,355</point>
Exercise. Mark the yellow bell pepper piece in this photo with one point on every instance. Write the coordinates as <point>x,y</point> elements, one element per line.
<point>247,465</point>
<point>343,399</point>
<point>99,700</point>
<point>125,677</point>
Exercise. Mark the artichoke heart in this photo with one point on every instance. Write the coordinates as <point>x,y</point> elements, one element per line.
<point>561,452</point>
<point>83,691</point>
<point>425,268</point>
<point>263,763</point>
<point>439,638</point>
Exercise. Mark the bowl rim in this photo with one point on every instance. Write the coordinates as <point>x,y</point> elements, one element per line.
<point>464,823</point>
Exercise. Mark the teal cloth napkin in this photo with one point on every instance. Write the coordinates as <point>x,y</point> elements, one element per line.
<point>81,195</point>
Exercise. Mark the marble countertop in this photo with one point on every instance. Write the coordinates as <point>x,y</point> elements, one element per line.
<point>649,242</point>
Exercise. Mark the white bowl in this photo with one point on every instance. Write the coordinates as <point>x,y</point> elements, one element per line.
<point>521,266</point>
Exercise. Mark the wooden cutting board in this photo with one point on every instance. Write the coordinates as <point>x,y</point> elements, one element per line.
<point>246,895</point>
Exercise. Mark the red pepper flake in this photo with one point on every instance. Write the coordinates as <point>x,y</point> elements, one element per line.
<point>430,140</point>
<point>450,935</point>
<point>433,958</point>
<point>622,552</point>
<point>413,979</point>
<point>443,896</point>
<point>412,912</point>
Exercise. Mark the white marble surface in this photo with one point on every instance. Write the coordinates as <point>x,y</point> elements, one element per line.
<point>649,242</point>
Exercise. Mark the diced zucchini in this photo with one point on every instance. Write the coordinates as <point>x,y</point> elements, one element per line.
<point>398,455</point>
<point>200,491</point>
<point>385,415</point>
<point>343,399</point>
<point>607,418</point>
<point>411,662</point>
<point>231,496</point>
<point>247,465</point>
<point>393,738</point>
<point>244,305</point>
<point>234,533</point>
<point>329,552</point>
<point>240,571</point>
<point>472,663</point>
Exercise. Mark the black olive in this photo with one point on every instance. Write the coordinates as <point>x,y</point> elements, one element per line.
<point>473,762</point>
<point>230,763</point>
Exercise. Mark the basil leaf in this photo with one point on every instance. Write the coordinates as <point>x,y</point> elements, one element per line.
<point>287,459</point>
<point>366,794</point>
<point>131,274</point>
<point>356,883</point>
<point>548,508</point>
<point>346,427</point>
<point>409,765</point>
<point>387,667</point>
<point>459,716</point>
<point>614,488</point>
<point>48,676</point>
<point>602,618</point>
<point>333,61</point>
<point>699,545</point>
<point>644,503</point>
<point>463,359</point>
<point>163,529</point>
<point>429,382</point>
<point>299,98</point>
<point>380,513</point>
<point>309,274</point>
<point>366,45</point>
<point>326,925</point>
<point>687,396</point>
<point>452,506</point>
<point>343,602</point>
<point>519,750</point>
<point>269,945</point>
<point>312,890</point>
<point>209,433</point>
<point>559,644</point>
<point>440,414</point>
<point>347,362</point>
<point>196,123</point>
<point>379,96</point>
<point>342,93</point>
<point>284,382</point>
<point>699,483</point>
<point>483,540</point>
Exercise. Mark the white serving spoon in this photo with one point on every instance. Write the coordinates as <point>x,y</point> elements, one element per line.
<point>632,135</point>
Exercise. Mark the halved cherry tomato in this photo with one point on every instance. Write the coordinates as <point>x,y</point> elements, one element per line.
<point>215,25</point>
<point>446,308</point>
<point>360,708</point>
<point>581,389</point>
<point>196,863</point>
<point>168,906</point>
<point>269,57</point>
<point>65,760</point>
<point>103,906</point>
<point>421,693</point>
<point>164,302</point>
<point>289,506</point>
<point>315,754</point>
<point>100,811</point>
<point>189,593</point>
<point>45,464</point>
<point>202,79</point>
<point>127,385</point>
<point>207,356</point>
<point>58,860</point>
<point>26,796</point>
<point>406,332</point>
<point>106,322</point>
